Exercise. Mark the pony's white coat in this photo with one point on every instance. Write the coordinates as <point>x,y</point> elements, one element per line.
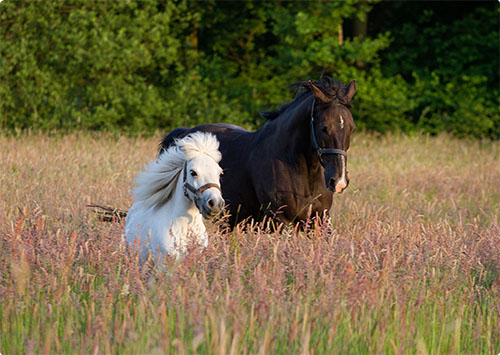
<point>162,218</point>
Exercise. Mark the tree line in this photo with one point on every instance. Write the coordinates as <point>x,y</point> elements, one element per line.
<point>141,66</point>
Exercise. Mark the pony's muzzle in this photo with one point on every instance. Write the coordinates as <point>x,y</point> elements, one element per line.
<point>211,205</point>
<point>215,205</point>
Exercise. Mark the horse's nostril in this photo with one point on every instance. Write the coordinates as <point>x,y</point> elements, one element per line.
<point>211,203</point>
<point>331,182</point>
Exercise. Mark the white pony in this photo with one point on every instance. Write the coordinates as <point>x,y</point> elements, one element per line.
<point>174,194</point>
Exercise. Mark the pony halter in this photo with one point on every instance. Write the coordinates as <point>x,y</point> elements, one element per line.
<point>196,191</point>
<point>316,146</point>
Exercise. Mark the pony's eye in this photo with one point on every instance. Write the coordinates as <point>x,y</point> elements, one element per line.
<point>193,173</point>
<point>324,129</point>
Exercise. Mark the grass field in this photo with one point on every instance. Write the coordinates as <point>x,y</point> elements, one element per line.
<point>410,264</point>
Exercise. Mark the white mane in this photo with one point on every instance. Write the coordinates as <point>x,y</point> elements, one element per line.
<point>157,182</point>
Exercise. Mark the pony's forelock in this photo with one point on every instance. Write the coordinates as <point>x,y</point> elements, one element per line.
<point>200,143</point>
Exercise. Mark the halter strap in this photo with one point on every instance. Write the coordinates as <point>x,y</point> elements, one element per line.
<point>320,151</point>
<point>195,191</point>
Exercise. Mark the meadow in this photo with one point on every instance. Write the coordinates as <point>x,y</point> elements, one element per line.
<point>409,264</point>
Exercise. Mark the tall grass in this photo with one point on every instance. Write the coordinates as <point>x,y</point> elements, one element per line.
<point>410,263</point>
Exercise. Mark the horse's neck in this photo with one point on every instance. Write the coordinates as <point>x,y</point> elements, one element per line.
<point>292,132</point>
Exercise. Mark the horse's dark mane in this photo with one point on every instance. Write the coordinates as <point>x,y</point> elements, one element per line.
<point>331,87</point>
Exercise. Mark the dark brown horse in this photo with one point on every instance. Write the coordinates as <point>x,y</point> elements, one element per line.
<point>294,163</point>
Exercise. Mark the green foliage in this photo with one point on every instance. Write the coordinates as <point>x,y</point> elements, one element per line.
<point>463,106</point>
<point>454,73</point>
<point>92,64</point>
<point>142,66</point>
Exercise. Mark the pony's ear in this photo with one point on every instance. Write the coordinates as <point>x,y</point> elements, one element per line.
<point>318,94</point>
<point>350,90</point>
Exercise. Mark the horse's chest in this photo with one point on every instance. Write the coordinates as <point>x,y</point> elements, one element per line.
<point>293,194</point>
<point>294,205</point>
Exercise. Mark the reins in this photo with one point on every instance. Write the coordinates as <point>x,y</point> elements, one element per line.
<point>196,191</point>
<point>320,151</point>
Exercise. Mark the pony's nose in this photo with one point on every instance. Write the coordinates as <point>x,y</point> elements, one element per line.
<point>215,205</point>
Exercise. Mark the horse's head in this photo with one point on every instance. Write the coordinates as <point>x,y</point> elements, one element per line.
<point>201,178</point>
<point>331,127</point>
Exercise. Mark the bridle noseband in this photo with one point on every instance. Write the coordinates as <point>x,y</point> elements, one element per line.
<point>316,146</point>
<point>196,191</point>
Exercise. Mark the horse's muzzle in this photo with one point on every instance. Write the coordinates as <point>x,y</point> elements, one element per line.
<point>337,186</point>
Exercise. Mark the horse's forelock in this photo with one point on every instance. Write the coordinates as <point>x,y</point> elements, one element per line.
<point>331,87</point>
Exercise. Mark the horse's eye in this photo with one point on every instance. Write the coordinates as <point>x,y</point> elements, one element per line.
<point>193,173</point>
<point>324,129</point>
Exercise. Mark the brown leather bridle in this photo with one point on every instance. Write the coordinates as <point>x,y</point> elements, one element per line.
<point>316,146</point>
<point>196,191</point>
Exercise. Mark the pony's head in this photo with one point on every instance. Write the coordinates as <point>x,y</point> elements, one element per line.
<point>201,172</point>
<point>192,161</point>
<point>331,127</point>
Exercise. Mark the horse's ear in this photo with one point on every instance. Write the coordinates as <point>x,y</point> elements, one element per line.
<point>318,94</point>
<point>350,90</point>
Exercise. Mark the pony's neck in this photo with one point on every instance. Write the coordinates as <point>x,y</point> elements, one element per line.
<point>182,205</point>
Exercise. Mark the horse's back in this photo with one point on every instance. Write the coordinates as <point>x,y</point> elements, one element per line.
<point>177,133</point>
<point>223,132</point>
